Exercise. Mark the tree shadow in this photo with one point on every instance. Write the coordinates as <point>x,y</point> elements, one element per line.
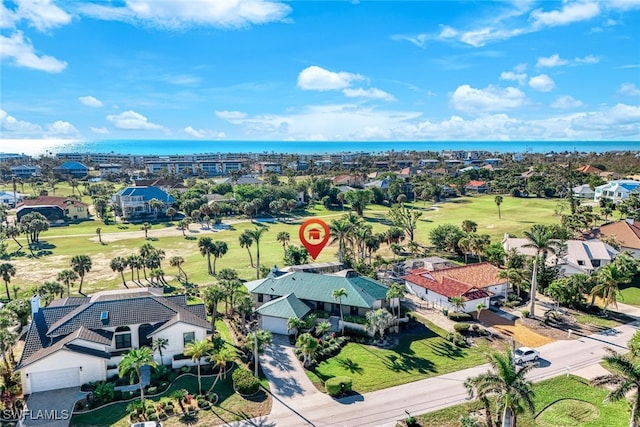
<point>190,238</point>
<point>350,365</point>
<point>447,349</point>
<point>153,239</point>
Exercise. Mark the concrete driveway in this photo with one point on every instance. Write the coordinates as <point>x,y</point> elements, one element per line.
<point>52,408</point>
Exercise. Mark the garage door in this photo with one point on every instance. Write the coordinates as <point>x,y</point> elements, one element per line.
<point>53,380</point>
<point>275,325</point>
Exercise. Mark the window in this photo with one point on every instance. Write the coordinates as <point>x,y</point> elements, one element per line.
<point>580,262</point>
<point>320,305</point>
<point>123,337</point>
<point>188,337</point>
<point>260,298</point>
<point>353,311</point>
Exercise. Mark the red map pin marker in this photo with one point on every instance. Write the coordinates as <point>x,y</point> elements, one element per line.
<point>314,235</point>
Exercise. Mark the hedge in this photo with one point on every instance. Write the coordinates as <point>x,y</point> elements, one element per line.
<point>459,317</point>
<point>461,327</point>
<point>244,382</point>
<point>337,385</point>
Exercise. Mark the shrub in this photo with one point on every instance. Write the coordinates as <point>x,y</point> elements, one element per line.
<point>410,421</point>
<point>457,339</point>
<point>152,390</point>
<point>461,327</point>
<point>338,385</point>
<point>244,382</point>
<point>459,317</point>
<point>525,313</point>
<point>104,392</point>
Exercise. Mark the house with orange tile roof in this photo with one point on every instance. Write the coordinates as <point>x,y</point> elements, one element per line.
<point>479,186</point>
<point>589,169</point>
<point>475,283</point>
<point>625,233</point>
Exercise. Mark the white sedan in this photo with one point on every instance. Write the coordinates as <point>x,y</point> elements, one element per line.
<point>525,354</point>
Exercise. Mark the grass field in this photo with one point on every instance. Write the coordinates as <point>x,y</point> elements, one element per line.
<point>585,407</point>
<point>423,352</point>
<point>61,243</point>
<point>630,293</point>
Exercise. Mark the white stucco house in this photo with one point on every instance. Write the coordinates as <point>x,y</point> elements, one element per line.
<point>475,283</point>
<point>617,190</point>
<point>81,339</point>
<point>575,256</point>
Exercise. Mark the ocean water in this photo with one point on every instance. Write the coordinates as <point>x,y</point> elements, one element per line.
<point>168,147</point>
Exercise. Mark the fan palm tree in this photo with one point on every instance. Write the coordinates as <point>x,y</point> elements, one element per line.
<point>158,345</point>
<point>155,205</point>
<point>457,303</point>
<point>7,271</point>
<point>498,200</point>
<point>119,264</point>
<point>340,230</point>
<point>177,261</point>
<point>396,291</point>
<point>68,276</point>
<point>218,249</point>
<point>308,346</point>
<point>623,383</point>
<point>197,350</point>
<point>256,234</point>
<point>284,237</point>
<point>205,244</point>
<point>213,294</point>
<point>145,227</point>
<point>243,304</point>
<point>81,264</point>
<point>246,241</point>
<point>338,294</point>
<point>508,383</point>
<point>99,233</point>
<point>322,329</point>
<point>131,364</point>
<point>295,323</point>
<point>608,281</point>
<point>540,240</point>
<point>134,262</point>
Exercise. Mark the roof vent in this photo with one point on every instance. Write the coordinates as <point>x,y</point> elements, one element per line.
<point>104,317</point>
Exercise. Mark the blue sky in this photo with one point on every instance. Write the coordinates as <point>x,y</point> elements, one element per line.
<point>331,70</point>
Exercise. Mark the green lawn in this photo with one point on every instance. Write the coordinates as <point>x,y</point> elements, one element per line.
<point>421,353</point>
<point>585,407</point>
<point>630,294</point>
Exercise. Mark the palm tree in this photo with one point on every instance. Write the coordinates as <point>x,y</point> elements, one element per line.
<point>243,304</point>
<point>158,345</point>
<point>295,323</point>
<point>256,234</point>
<point>220,359</point>
<point>7,271</point>
<point>99,233</point>
<point>134,262</point>
<point>608,281</point>
<point>457,303</point>
<point>145,227</point>
<point>66,277</point>
<point>8,338</point>
<point>218,249</point>
<point>308,346</point>
<point>471,385</point>
<point>284,237</point>
<point>155,205</point>
<point>340,230</point>
<point>508,383</point>
<point>396,291</point>
<point>245,242</point>
<point>81,264</point>
<point>119,264</point>
<point>623,383</point>
<point>498,200</point>
<point>131,364</point>
<point>322,329</point>
<point>205,244</point>
<point>213,294</point>
<point>479,307</point>
<point>540,240</point>
<point>230,284</point>
<point>197,350</point>
<point>177,261</point>
<point>338,294</point>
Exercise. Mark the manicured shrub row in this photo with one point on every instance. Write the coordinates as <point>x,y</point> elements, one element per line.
<point>459,317</point>
<point>338,385</point>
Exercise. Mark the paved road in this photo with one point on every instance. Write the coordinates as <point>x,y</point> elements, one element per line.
<point>385,407</point>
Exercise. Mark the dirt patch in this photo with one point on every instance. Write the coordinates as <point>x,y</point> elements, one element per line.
<point>524,335</point>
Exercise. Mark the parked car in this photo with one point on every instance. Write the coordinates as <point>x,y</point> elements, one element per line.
<point>525,354</point>
<point>147,424</point>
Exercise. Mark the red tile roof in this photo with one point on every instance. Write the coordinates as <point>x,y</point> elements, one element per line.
<point>628,235</point>
<point>474,183</point>
<point>61,202</point>
<point>589,169</point>
<point>467,281</point>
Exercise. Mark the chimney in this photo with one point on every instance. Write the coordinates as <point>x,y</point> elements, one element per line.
<point>35,304</point>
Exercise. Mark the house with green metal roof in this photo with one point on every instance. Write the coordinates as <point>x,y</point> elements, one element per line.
<point>275,314</point>
<point>363,294</point>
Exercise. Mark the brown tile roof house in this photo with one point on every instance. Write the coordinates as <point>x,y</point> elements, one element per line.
<point>626,233</point>
<point>589,169</point>
<point>61,202</point>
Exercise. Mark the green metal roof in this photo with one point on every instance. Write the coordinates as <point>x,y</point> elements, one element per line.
<point>284,307</point>
<point>361,291</point>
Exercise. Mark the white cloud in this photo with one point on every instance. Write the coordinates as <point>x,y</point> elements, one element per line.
<point>566,103</point>
<point>552,61</point>
<point>629,89</point>
<point>215,13</point>
<point>7,17</point>
<point>181,79</point>
<point>90,101</point>
<point>372,93</point>
<point>570,12</point>
<point>419,40</point>
<point>521,78</point>
<point>11,124</point>
<point>589,59</point>
<point>624,4</point>
<point>447,32</point>
<point>231,115</point>
<point>42,14</point>
<point>204,133</point>
<point>317,78</point>
<point>542,83</point>
<point>20,50</point>
<point>61,128</point>
<point>101,131</point>
<point>482,36</point>
<point>131,120</point>
<point>472,100</point>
